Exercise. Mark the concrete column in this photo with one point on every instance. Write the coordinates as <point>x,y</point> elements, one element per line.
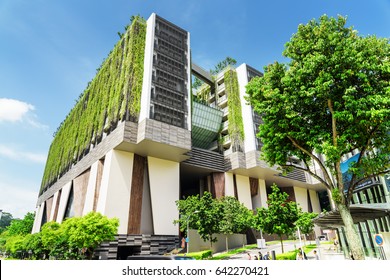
<point>229,184</point>
<point>315,201</point>
<point>164,178</point>
<point>301,198</point>
<point>260,200</point>
<point>54,208</point>
<point>38,218</point>
<point>63,201</point>
<point>244,190</point>
<point>90,196</point>
<point>114,197</point>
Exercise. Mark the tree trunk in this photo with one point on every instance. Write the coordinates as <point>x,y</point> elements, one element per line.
<point>281,242</point>
<point>351,232</point>
<point>227,243</point>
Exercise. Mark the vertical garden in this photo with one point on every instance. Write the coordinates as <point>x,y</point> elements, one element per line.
<point>113,95</point>
<point>236,125</point>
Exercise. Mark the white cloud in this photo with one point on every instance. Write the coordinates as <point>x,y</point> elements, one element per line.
<point>13,110</point>
<point>17,200</point>
<point>13,154</point>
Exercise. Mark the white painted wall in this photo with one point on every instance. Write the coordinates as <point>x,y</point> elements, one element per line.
<point>91,188</point>
<point>260,200</point>
<point>148,65</point>
<point>244,191</point>
<point>164,178</point>
<point>63,201</point>
<point>229,184</point>
<point>38,218</point>
<point>53,208</point>
<point>197,244</point>
<point>114,196</point>
<point>249,141</point>
<point>301,198</point>
<point>315,201</point>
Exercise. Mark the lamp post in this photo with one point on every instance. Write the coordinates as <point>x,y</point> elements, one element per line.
<point>188,230</point>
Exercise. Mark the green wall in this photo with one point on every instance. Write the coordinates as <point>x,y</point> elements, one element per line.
<point>113,95</point>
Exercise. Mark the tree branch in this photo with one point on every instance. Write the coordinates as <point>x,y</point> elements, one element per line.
<point>316,159</point>
<point>310,172</point>
<point>362,151</point>
<point>354,185</point>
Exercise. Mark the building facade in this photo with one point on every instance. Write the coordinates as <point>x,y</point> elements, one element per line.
<point>139,139</point>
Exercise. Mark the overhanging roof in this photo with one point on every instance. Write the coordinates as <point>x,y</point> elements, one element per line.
<point>359,212</point>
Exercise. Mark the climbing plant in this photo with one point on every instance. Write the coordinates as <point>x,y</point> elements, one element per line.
<point>236,126</point>
<point>113,95</point>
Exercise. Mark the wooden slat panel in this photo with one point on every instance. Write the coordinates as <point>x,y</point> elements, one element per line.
<point>218,185</point>
<point>254,184</point>
<point>98,183</point>
<point>137,184</point>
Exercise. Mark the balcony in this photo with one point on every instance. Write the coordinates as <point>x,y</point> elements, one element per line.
<point>222,101</point>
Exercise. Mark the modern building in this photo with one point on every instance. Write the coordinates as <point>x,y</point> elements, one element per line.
<point>138,140</point>
<point>370,209</point>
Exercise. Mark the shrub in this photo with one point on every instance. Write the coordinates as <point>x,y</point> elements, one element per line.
<point>202,255</point>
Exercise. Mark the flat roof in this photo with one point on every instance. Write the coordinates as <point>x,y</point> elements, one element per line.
<point>359,212</point>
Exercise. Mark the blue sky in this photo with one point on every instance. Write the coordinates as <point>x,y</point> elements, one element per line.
<point>50,49</point>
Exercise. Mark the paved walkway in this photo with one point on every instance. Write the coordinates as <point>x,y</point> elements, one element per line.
<point>325,251</point>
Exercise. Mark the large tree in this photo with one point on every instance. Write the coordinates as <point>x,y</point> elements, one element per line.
<point>331,98</point>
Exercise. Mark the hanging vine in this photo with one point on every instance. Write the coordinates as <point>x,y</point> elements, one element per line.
<point>113,95</point>
<point>236,126</point>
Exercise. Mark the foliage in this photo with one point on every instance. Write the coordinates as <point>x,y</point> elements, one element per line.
<point>292,255</point>
<point>305,222</point>
<point>332,98</point>
<point>22,227</point>
<point>89,231</point>
<point>236,125</point>
<point>113,95</point>
<point>75,238</point>
<point>202,255</point>
<point>228,61</point>
<point>236,217</point>
<point>202,94</point>
<point>14,245</point>
<point>280,216</point>
<point>197,83</point>
<point>210,216</point>
<point>5,221</point>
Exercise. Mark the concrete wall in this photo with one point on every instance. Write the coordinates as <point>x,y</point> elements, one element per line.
<point>164,179</point>
<point>249,141</point>
<point>197,244</point>
<point>244,191</point>
<point>315,201</point>
<point>91,188</point>
<point>260,200</point>
<point>63,201</point>
<point>229,184</point>
<point>148,65</point>
<point>114,197</point>
<point>301,198</point>
<point>38,218</point>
